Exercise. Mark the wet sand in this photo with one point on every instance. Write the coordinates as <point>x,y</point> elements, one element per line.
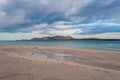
<point>19,63</point>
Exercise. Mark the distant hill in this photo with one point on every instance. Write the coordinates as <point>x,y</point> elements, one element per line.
<point>97,39</point>
<point>68,38</point>
<point>57,38</point>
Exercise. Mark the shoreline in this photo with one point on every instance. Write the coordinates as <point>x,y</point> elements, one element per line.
<point>20,60</point>
<point>99,50</point>
<point>90,45</point>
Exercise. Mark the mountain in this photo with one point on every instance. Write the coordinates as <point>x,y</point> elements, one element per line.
<point>56,38</point>
<point>68,38</point>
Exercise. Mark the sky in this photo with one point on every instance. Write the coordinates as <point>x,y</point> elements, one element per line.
<point>25,19</point>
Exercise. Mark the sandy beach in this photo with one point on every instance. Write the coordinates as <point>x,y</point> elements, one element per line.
<point>19,63</point>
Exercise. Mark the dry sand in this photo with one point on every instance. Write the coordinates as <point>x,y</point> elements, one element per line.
<point>18,63</point>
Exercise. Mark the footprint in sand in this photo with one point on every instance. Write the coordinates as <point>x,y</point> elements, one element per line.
<point>17,77</point>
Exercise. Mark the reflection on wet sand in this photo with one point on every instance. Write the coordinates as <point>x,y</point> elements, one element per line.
<point>61,56</point>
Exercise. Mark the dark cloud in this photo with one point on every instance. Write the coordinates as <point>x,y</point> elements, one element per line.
<point>24,15</point>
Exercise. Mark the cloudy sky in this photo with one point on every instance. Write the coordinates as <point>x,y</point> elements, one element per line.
<point>78,18</point>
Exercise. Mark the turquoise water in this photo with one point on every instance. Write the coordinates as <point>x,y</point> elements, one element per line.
<point>96,45</point>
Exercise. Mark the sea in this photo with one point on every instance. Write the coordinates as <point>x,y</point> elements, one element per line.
<point>93,45</point>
